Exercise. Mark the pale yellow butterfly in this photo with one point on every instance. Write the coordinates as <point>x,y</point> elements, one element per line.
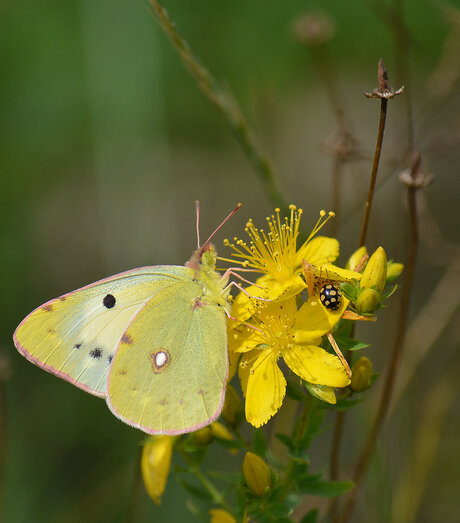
<point>151,341</point>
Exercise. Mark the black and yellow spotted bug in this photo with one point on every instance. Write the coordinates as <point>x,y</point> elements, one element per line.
<point>330,296</point>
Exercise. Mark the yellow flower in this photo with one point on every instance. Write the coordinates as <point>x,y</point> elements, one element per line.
<point>279,330</point>
<point>274,254</point>
<point>155,465</point>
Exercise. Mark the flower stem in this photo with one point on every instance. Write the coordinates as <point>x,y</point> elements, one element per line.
<point>226,103</point>
<point>375,166</point>
<point>217,497</point>
<point>367,451</point>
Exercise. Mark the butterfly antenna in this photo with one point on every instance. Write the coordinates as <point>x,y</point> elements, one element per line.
<point>235,210</point>
<point>197,207</point>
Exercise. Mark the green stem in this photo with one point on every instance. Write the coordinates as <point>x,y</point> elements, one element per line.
<point>217,496</point>
<point>225,102</point>
<point>298,434</point>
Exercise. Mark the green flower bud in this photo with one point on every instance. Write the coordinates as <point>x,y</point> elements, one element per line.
<point>393,270</point>
<point>375,273</point>
<point>361,374</point>
<point>232,411</point>
<point>368,300</point>
<point>355,258</point>
<point>257,474</point>
<point>322,392</point>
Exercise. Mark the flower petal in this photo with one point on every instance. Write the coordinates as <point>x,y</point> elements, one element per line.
<point>319,251</point>
<point>313,320</point>
<point>265,391</point>
<point>316,366</point>
<point>246,362</point>
<point>334,273</point>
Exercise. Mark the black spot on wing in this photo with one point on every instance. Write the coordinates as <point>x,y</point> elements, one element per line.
<point>110,358</point>
<point>77,346</point>
<point>109,301</point>
<point>96,353</point>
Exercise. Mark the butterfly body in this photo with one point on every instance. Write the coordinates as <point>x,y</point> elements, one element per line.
<point>152,341</point>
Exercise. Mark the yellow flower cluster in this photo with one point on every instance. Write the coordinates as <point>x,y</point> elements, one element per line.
<point>270,321</point>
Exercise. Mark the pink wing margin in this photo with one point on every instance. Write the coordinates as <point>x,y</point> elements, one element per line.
<point>22,350</point>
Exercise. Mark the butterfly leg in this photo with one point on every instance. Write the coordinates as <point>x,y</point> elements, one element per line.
<point>253,327</point>
<point>244,291</point>
<point>232,272</point>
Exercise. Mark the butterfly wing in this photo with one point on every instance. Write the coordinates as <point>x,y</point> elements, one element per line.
<point>170,370</point>
<point>75,336</point>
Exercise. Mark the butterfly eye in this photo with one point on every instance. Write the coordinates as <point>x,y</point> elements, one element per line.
<point>109,301</point>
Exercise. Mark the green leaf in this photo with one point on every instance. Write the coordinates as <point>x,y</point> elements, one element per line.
<point>285,440</point>
<point>315,420</point>
<point>374,378</point>
<point>328,489</point>
<point>346,343</point>
<point>259,443</point>
<point>294,392</point>
<point>345,403</point>
<point>389,293</point>
<point>311,517</point>
<point>279,510</point>
<point>349,290</point>
<point>229,444</point>
<point>196,491</point>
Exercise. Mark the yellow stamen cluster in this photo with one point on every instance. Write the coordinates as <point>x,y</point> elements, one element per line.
<point>273,252</point>
<point>275,330</point>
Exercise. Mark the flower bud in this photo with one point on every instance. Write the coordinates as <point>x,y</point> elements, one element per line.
<point>233,407</point>
<point>322,392</point>
<point>219,515</point>
<point>375,273</point>
<point>355,259</point>
<point>257,474</point>
<point>155,465</point>
<point>220,431</point>
<point>201,437</point>
<point>361,374</point>
<point>368,300</point>
<point>393,270</point>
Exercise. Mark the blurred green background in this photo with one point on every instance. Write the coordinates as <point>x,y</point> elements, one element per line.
<point>105,144</point>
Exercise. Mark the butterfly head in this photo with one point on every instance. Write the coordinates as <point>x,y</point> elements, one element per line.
<point>203,258</point>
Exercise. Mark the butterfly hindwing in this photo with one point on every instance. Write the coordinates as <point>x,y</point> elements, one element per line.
<point>75,336</point>
<point>170,370</point>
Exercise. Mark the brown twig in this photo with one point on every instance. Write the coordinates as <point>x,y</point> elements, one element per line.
<point>367,451</point>
<point>385,92</point>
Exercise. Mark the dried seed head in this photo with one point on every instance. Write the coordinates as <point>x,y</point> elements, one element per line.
<point>314,29</point>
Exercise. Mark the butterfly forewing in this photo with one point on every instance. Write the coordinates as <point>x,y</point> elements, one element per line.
<point>170,370</point>
<point>75,336</point>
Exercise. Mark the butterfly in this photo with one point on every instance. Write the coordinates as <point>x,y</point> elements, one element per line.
<point>151,341</point>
